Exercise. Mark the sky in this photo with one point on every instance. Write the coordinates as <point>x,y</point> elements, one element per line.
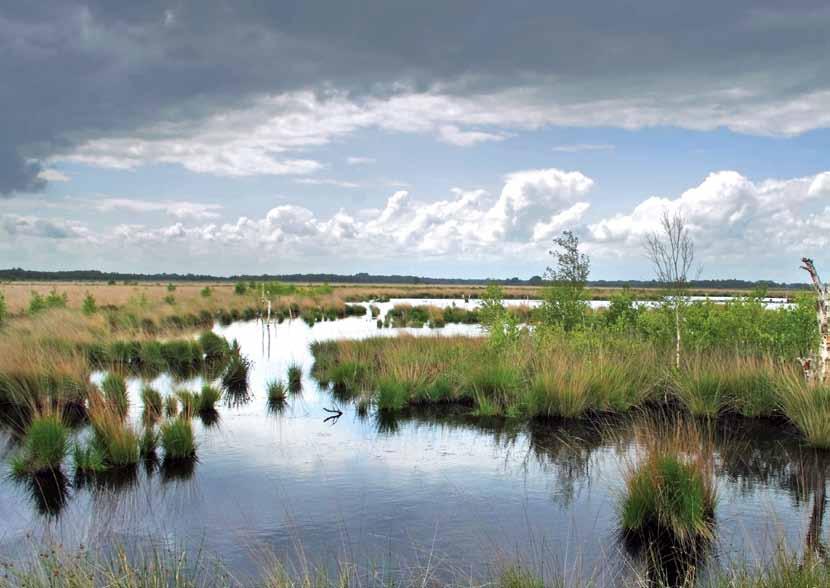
<point>444,139</point>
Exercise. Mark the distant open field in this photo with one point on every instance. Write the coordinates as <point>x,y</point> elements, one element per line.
<point>17,294</point>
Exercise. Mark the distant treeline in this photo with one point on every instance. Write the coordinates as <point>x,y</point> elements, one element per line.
<point>18,274</point>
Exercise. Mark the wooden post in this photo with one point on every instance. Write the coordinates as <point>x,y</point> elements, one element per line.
<point>820,372</point>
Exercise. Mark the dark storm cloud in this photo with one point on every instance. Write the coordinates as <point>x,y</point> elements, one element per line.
<point>73,70</point>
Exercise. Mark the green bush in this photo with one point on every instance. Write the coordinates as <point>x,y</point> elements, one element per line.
<point>240,288</point>
<point>89,307</point>
<point>206,292</point>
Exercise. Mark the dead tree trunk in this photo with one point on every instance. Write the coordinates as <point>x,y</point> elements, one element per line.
<point>818,368</point>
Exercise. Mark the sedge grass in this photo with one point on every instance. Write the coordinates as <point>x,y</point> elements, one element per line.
<point>177,439</point>
<point>45,445</point>
<point>153,403</point>
<point>807,406</point>
<point>276,391</point>
<point>171,406</point>
<point>117,440</point>
<point>114,388</point>
<point>207,399</point>
<point>295,378</point>
<point>670,488</point>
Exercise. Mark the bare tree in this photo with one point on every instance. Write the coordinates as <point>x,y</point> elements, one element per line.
<point>821,371</point>
<point>672,254</point>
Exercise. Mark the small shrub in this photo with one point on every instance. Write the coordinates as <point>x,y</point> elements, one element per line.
<point>205,292</point>
<point>89,307</point>
<point>170,299</point>
<point>240,288</point>
<point>171,287</point>
<point>177,440</point>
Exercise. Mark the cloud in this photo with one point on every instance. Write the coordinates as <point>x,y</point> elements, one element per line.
<point>470,224</point>
<point>326,182</point>
<point>162,85</point>
<point>360,160</point>
<point>53,175</point>
<point>177,209</point>
<point>731,216</point>
<point>13,226</point>
<point>578,147</point>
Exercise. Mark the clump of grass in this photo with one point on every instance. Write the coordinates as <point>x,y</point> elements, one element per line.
<point>44,446</point>
<point>295,378</point>
<point>88,459</point>
<point>114,387</point>
<point>117,441</point>
<point>347,376</point>
<point>392,395</point>
<point>807,406</point>
<point>153,403</point>
<point>235,377</point>
<point>148,442</point>
<point>276,391</point>
<point>189,402</point>
<point>213,346</point>
<point>517,577</point>
<point>171,406</point>
<point>553,393</point>
<point>670,491</point>
<point>177,440</point>
<point>207,399</point>
<point>494,386</point>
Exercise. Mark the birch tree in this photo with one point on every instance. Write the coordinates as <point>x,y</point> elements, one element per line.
<point>672,254</point>
<point>818,368</point>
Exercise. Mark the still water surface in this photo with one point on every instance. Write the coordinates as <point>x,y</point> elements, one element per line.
<point>369,489</point>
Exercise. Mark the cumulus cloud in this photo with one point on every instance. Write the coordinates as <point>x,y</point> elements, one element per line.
<point>53,175</point>
<point>13,226</point>
<point>730,215</point>
<point>471,223</point>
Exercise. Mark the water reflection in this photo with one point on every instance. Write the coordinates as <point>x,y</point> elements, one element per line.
<point>326,470</point>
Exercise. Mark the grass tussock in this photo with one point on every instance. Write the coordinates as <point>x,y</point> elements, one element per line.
<point>178,440</point>
<point>295,378</point>
<point>116,440</point>
<point>276,390</point>
<point>114,389</point>
<point>235,376</point>
<point>807,406</point>
<point>45,444</point>
<point>670,486</point>
<point>153,403</point>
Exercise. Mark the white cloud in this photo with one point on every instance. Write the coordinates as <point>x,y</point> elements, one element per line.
<point>454,136</point>
<point>177,209</point>
<point>470,224</point>
<point>13,226</point>
<point>360,160</point>
<point>53,175</point>
<point>257,139</point>
<point>578,147</point>
<point>326,182</point>
<point>730,215</point>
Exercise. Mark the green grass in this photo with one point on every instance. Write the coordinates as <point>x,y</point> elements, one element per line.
<point>213,346</point>
<point>670,493</point>
<point>171,406</point>
<point>392,395</point>
<point>44,446</point>
<point>276,391</point>
<point>177,439</point>
<point>116,440</point>
<point>295,378</point>
<point>114,387</point>
<point>235,377</point>
<point>807,406</point>
<point>207,399</point>
<point>88,459</point>
<point>148,443</point>
<point>153,403</point>
<point>189,402</point>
